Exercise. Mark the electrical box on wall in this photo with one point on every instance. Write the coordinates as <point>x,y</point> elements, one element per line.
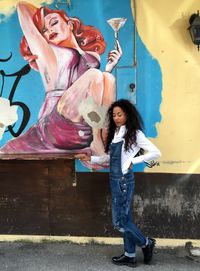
<point>126,83</point>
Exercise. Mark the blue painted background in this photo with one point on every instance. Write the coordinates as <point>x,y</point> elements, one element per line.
<point>146,75</point>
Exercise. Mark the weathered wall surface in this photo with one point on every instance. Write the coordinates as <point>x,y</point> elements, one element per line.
<point>42,198</point>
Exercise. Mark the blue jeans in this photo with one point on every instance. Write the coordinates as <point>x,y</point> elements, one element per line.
<point>122,190</point>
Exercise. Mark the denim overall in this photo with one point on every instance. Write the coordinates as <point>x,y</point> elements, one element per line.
<point>122,189</point>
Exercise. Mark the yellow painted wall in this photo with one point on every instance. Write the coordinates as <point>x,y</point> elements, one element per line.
<point>162,26</point>
<point>7,7</point>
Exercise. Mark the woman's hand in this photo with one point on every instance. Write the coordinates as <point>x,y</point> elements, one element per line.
<point>83,157</point>
<point>113,57</point>
<point>152,164</point>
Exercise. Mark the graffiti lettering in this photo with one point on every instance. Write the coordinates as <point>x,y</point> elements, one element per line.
<point>26,112</point>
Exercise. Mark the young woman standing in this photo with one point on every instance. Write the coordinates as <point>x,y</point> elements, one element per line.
<point>124,141</point>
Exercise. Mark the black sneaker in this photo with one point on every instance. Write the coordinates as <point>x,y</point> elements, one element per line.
<point>148,250</point>
<point>124,260</point>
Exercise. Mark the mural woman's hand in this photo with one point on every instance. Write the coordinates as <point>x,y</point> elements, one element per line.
<point>114,57</point>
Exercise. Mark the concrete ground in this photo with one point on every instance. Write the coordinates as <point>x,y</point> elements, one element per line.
<point>60,256</point>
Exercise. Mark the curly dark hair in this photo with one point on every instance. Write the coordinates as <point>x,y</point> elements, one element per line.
<point>134,122</point>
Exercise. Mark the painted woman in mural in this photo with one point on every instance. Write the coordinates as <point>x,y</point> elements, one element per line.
<point>67,55</point>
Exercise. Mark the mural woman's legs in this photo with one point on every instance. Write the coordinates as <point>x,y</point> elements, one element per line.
<point>90,84</point>
<point>109,95</point>
<point>89,98</point>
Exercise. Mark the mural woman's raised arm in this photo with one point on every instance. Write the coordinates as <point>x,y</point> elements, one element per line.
<point>37,44</point>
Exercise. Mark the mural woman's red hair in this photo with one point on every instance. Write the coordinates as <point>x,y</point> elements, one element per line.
<point>88,37</point>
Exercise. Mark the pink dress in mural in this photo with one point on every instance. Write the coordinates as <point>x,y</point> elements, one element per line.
<point>53,132</point>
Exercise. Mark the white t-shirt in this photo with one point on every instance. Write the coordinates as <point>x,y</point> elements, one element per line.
<point>128,157</point>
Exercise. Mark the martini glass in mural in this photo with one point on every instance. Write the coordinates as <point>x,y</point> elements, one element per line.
<point>116,24</point>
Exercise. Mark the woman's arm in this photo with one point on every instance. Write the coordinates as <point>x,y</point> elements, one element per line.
<point>94,159</point>
<point>37,44</point>
<point>152,152</point>
<point>113,57</point>
<point>100,159</point>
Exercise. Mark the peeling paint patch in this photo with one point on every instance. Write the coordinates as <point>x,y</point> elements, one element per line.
<point>171,201</point>
<point>92,113</point>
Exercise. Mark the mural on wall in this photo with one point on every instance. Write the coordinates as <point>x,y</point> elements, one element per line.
<point>66,54</point>
<point>77,88</point>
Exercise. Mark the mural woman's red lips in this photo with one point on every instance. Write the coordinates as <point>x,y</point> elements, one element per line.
<point>53,36</point>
